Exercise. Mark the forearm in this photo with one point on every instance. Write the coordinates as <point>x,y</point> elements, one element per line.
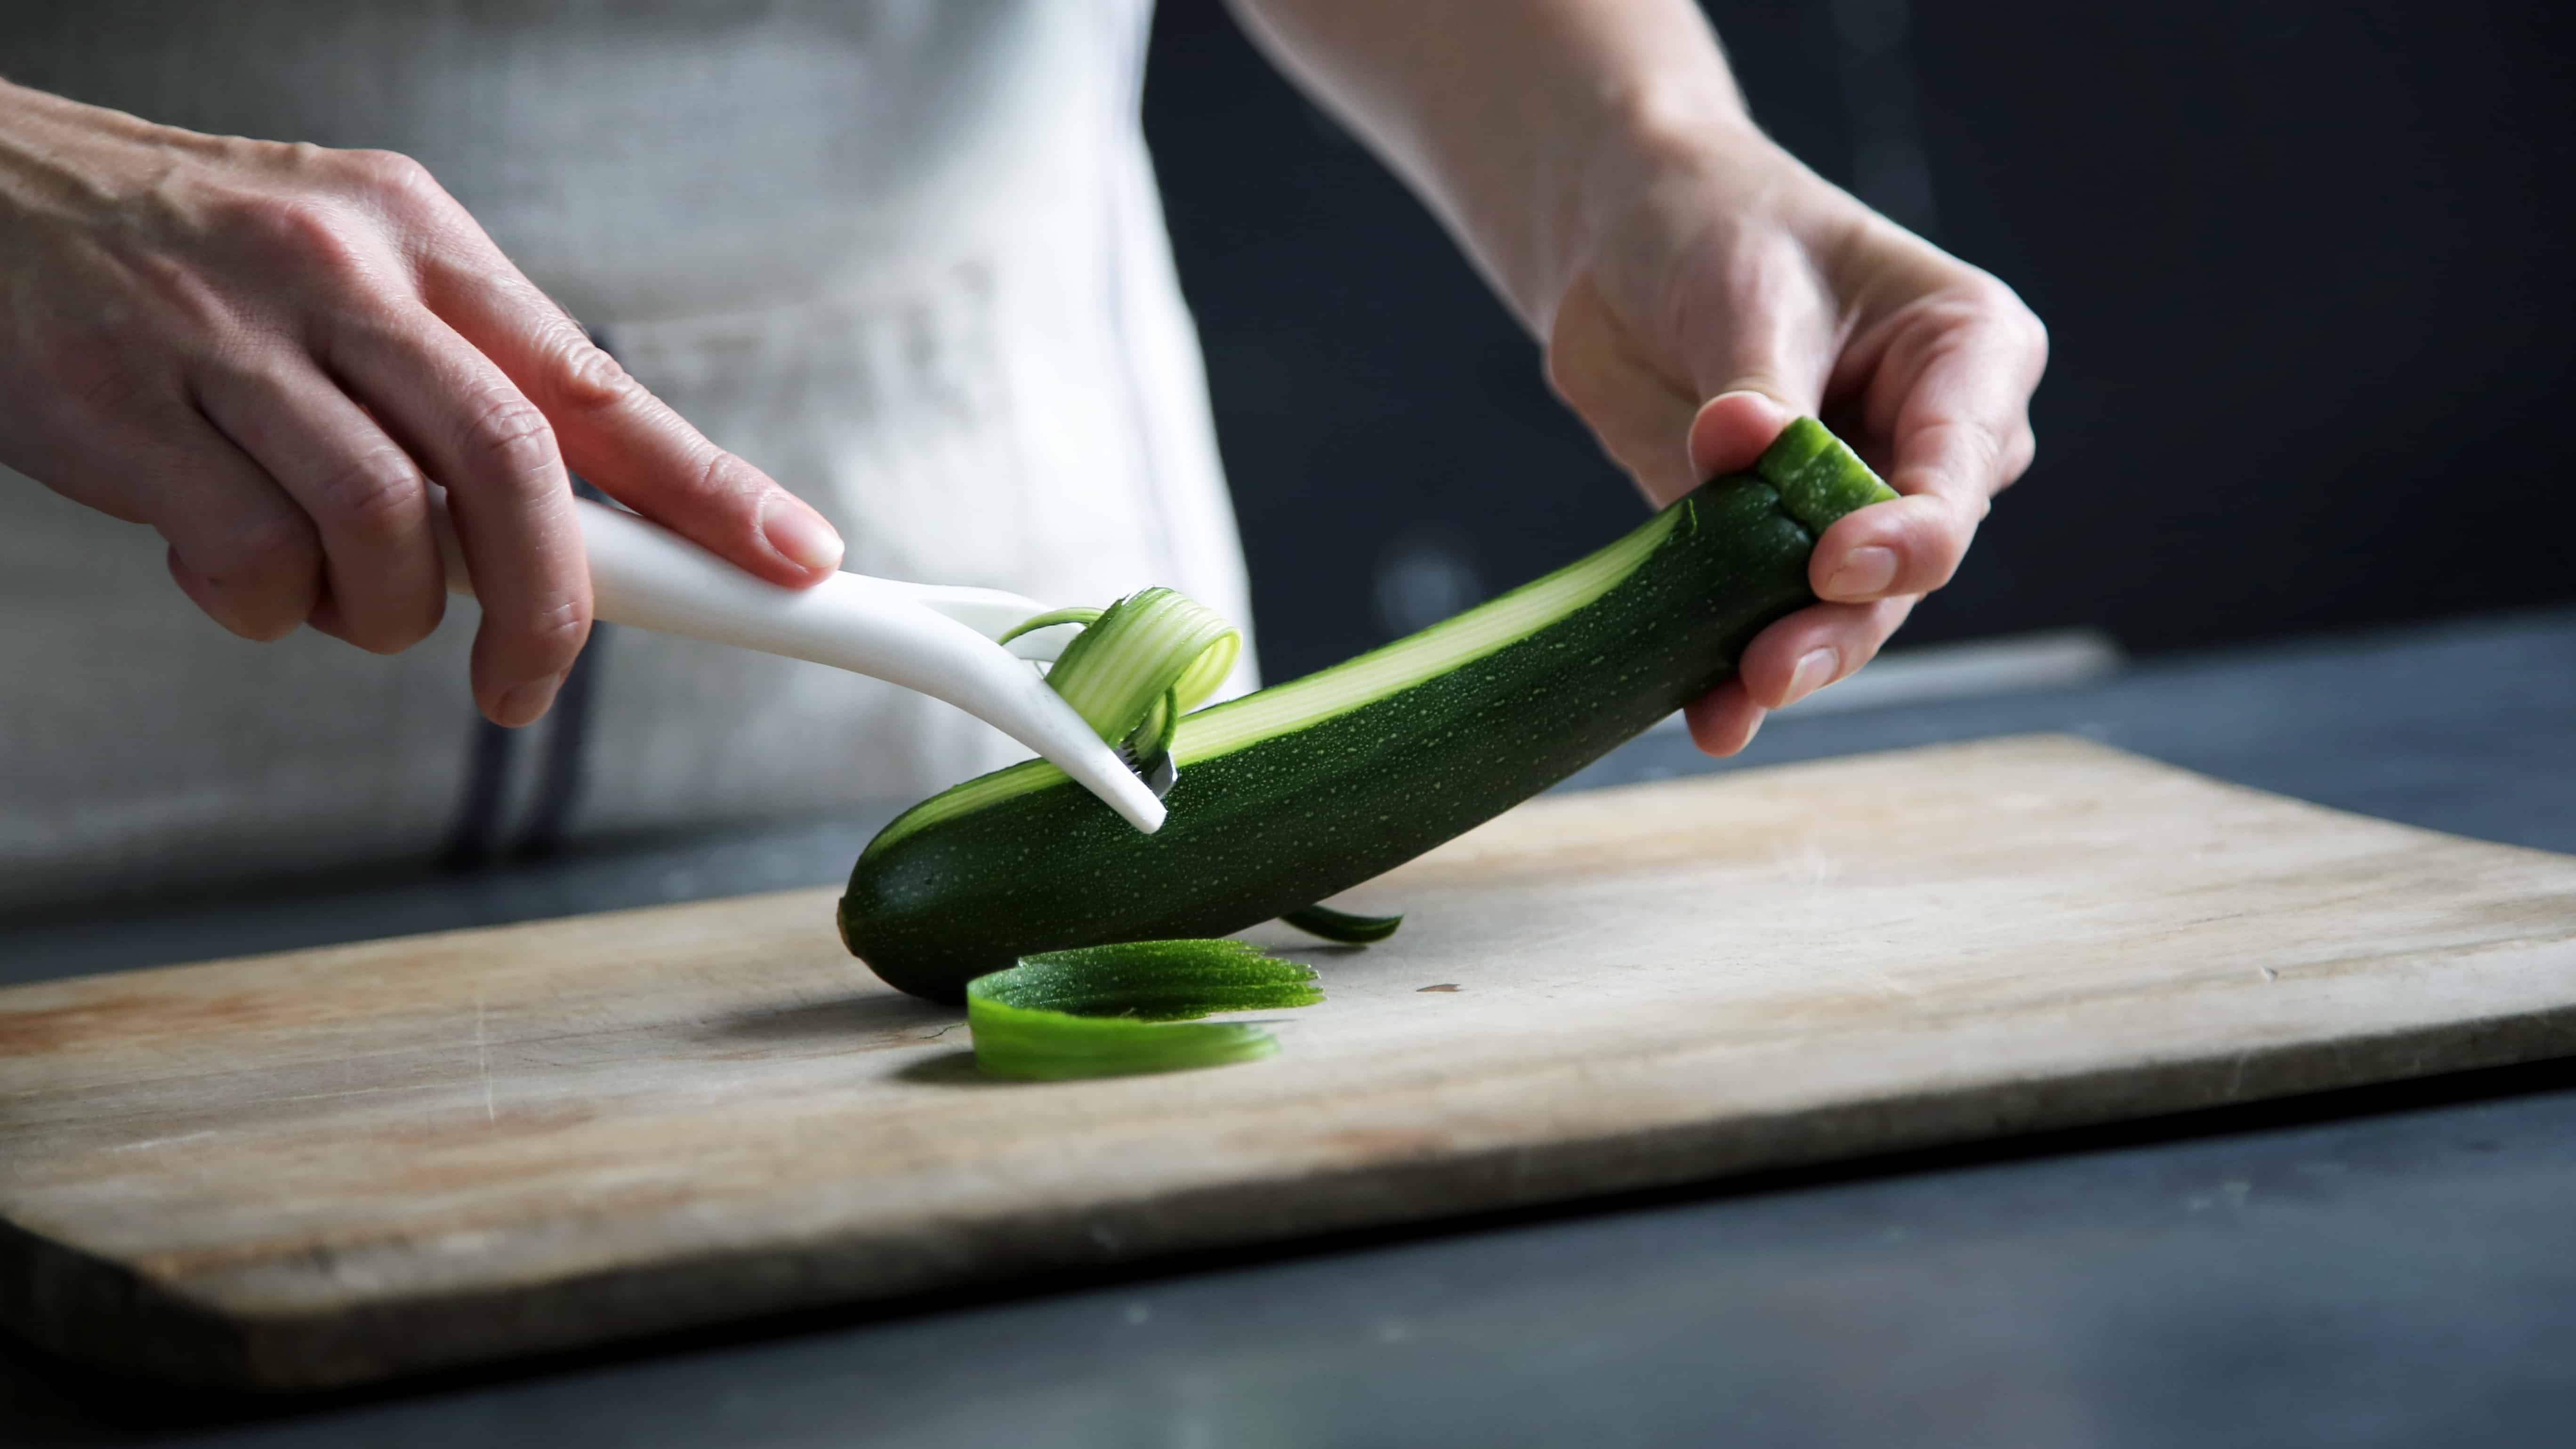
<point>1521,122</point>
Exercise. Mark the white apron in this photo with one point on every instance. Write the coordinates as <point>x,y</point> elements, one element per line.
<point>906,257</point>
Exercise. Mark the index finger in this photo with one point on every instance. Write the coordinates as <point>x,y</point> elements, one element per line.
<point>1949,390</point>
<point>620,437</point>
<point>1959,405</point>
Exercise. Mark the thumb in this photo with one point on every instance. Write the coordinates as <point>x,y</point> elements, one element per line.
<point>1759,358</point>
<point>1734,427</point>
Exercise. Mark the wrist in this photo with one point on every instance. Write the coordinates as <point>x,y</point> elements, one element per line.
<point>1679,121</point>
<point>1532,176</point>
<point>1670,161</point>
<point>63,158</point>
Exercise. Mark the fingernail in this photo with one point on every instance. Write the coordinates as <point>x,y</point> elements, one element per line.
<point>522,703</point>
<point>799,533</point>
<point>1867,571</point>
<point>1815,667</point>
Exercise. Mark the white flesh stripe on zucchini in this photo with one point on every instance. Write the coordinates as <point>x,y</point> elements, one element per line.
<point>1391,669</point>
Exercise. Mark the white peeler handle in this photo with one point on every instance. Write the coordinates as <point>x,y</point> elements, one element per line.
<point>925,637</point>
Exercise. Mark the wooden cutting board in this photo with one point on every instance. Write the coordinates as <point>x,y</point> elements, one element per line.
<point>334,1165</point>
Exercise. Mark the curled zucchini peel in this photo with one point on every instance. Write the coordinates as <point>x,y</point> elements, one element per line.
<point>1104,1011</point>
<point>1139,665</point>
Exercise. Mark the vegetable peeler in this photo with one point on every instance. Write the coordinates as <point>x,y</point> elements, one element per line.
<point>931,638</point>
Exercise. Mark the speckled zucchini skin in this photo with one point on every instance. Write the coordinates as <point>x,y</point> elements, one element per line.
<point>1323,806</point>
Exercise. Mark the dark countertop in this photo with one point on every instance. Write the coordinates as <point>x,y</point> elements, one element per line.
<point>2394,1265</point>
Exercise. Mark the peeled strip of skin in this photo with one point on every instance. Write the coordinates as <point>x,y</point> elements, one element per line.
<point>1137,667</point>
<point>1103,1011</point>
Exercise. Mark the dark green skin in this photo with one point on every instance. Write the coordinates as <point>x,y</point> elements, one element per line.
<point>1320,808</point>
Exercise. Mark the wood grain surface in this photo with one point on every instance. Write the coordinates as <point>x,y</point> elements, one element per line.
<point>333,1165</point>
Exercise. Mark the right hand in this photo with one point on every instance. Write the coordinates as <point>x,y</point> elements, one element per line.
<point>267,352</point>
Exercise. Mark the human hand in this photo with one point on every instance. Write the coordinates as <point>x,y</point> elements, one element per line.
<point>1729,290</point>
<point>267,352</point>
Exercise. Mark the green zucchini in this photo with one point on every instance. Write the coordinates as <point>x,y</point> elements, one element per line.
<point>1307,788</point>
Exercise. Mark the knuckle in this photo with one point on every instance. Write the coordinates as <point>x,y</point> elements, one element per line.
<point>1963,451</point>
<point>2017,317</point>
<point>1955,312</point>
<point>510,438</point>
<point>1988,293</point>
<point>374,498</point>
<point>722,477</point>
<point>2034,331</point>
<point>309,232</point>
<point>553,628</point>
<point>395,630</point>
<point>262,552</point>
<point>1580,359</point>
<point>390,174</point>
<point>257,622</point>
<point>309,163</point>
<point>1570,376</point>
<point>1994,302</point>
<point>586,376</point>
<point>736,491</point>
<point>2018,455</point>
<point>1994,294</point>
<point>400,189</point>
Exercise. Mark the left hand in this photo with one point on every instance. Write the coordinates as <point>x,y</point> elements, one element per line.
<point>1736,290</point>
